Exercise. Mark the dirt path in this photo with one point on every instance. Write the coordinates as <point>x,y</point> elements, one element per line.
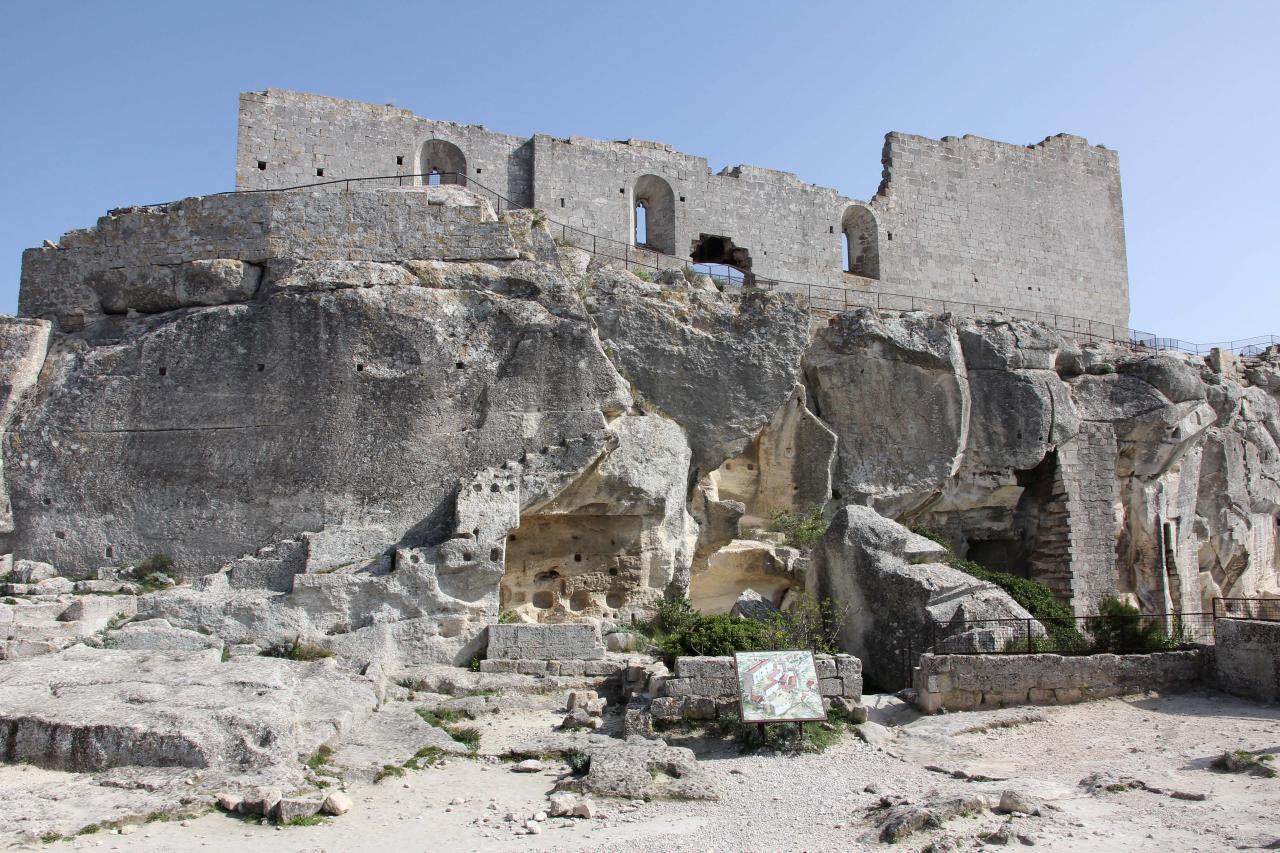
<point>821,802</point>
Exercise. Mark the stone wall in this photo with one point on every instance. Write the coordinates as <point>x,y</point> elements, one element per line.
<point>1247,658</point>
<point>970,682</point>
<point>1035,227</point>
<point>1038,227</point>
<point>144,258</point>
<point>702,688</point>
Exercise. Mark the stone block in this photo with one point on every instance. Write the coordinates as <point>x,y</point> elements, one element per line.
<point>700,708</point>
<point>531,667</point>
<point>825,666</point>
<point>705,667</point>
<point>831,686</point>
<point>572,668</point>
<point>545,642</point>
<point>1041,696</point>
<point>668,707</point>
<point>491,665</point>
<point>596,668</point>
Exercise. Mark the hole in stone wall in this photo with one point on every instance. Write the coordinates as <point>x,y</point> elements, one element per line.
<point>319,173</point>
<point>719,258</point>
<point>614,600</point>
<point>543,599</point>
<point>359,368</point>
<point>110,553</point>
<point>60,534</point>
<point>262,165</point>
<point>47,501</point>
<point>261,367</point>
<point>459,365</point>
<point>654,215</point>
<point>164,371</point>
<point>562,202</point>
<point>580,601</point>
<point>400,160</point>
<point>495,555</point>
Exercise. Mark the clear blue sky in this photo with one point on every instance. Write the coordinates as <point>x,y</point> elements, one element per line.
<point>108,104</point>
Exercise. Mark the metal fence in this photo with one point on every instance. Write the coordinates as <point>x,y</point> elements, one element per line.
<point>822,299</point>
<point>1264,609</point>
<point>1116,633</point>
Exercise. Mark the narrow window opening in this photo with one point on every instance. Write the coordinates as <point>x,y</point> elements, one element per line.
<point>164,371</point>
<point>642,224</point>
<point>844,251</point>
<point>262,165</point>
<point>111,553</point>
<point>622,190</point>
<point>682,198</point>
<point>359,368</point>
<point>478,170</point>
<point>459,365</point>
<point>577,558</point>
<point>562,202</point>
<point>319,173</point>
<point>495,555</point>
<point>399,159</point>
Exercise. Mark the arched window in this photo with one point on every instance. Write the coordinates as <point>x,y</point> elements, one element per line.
<point>642,225</point>
<point>861,242</point>
<point>442,163</point>
<point>654,214</point>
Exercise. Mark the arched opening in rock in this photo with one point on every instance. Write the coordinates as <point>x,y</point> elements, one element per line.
<point>861,243</point>
<point>711,251</point>
<point>654,215</point>
<point>442,162</point>
<point>572,567</point>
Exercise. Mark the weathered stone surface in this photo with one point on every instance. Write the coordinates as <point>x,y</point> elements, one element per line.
<point>1247,658</point>
<point>895,391</point>
<point>892,604</point>
<point>720,366</point>
<point>545,642</point>
<point>157,635</point>
<point>167,709</point>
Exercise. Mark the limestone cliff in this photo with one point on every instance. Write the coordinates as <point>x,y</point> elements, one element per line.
<point>381,417</point>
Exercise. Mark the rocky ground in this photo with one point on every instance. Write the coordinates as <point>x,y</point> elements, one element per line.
<point>1129,774</point>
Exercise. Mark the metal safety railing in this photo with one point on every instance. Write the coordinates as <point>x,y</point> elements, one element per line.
<point>1258,609</point>
<point>821,298</point>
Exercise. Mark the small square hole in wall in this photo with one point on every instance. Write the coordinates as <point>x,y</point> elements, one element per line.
<point>682,198</point>
<point>478,170</point>
<point>111,553</point>
<point>622,190</point>
<point>400,160</point>
<point>890,236</point>
<point>262,165</point>
<point>261,367</point>
<point>47,501</point>
<point>359,368</point>
<point>61,534</point>
<point>164,371</point>
<point>319,173</point>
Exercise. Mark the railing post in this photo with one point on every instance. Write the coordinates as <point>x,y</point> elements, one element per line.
<point>1028,636</point>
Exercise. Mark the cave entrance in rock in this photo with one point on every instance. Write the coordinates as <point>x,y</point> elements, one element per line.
<point>719,258</point>
<point>1036,542</point>
<point>572,567</point>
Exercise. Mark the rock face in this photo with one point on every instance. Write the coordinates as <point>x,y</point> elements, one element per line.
<point>372,421</point>
<point>172,709</point>
<point>889,580</point>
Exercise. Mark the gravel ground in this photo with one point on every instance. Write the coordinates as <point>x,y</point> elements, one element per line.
<point>822,802</point>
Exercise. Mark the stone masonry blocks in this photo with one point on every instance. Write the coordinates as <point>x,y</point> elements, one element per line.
<point>545,642</point>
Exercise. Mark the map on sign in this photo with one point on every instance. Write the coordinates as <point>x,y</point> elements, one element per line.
<point>778,687</point>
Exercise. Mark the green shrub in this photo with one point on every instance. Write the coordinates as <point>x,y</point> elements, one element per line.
<point>802,530</point>
<point>1120,627</point>
<point>809,624</point>
<point>678,629</point>
<point>441,717</point>
<point>643,275</point>
<point>296,649</point>
<point>156,563</point>
<point>388,771</point>
<point>508,617</point>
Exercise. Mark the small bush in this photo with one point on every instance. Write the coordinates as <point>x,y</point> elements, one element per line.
<point>441,717</point>
<point>305,820</point>
<point>320,758</point>
<point>802,530</point>
<point>1120,627</point>
<point>469,736</point>
<point>156,563</point>
<point>388,771</point>
<point>508,617</point>
<point>643,275</point>
<point>428,756</point>
<point>296,649</point>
